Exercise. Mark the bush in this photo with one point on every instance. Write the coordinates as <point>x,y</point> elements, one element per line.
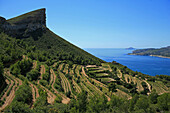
<point>68,94</point>
<point>164,102</point>
<point>33,75</point>
<point>43,82</point>
<point>1,103</point>
<point>24,94</point>
<point>58,99</point>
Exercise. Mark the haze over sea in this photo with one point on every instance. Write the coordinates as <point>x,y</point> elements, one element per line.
<point>145,64</point>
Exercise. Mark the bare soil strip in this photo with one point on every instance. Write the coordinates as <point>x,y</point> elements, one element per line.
<point>60,66</point>
<point>71,70</point>
<point>149,86</point>
<point>51,97</point>
<point>65,100</point>
<point>122,94</point>
<point>42,71</point>
<point>127,78</point>
<point>139,85</point>
<point>101,84</point>
<point>34,65</point>
<point>33,95</point>
<point>66,69</point>
<point>5,94</point>
<point>109,68</point>
<point>36,91</point>
<point>93,87</point>
<point>77,70</point>
<point>158,86</point>
<point>11,96</point>
<point>56,63</point>
<point>91,66</point>
<point>33,92</point>
<point>78,89</point>
<point>120,74</point>
<point>67,84</point>
<point>63,82</point>
<point>86,89</point>
<point>83,80</point>
<point>51,77</point>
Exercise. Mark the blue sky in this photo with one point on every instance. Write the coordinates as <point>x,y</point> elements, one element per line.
<point>102,23</point>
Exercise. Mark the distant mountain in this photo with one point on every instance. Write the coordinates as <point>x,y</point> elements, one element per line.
<point>161,52</point>
<point>40,72</point>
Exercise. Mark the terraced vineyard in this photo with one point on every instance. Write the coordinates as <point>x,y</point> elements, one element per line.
<point>93,79</point>
<point>9,95</point>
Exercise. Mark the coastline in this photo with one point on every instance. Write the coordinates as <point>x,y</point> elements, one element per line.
<point>151,55</point>
<point>159,56</point>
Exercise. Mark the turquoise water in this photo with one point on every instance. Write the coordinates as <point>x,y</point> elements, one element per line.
<point>145,64</point>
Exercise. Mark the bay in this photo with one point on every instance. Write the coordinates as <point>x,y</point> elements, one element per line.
<point>146,64</point>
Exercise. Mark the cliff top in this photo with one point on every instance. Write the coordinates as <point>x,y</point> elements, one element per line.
<point>33,16</point>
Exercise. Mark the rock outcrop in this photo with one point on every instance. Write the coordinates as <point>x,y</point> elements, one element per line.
<point>25,25</point>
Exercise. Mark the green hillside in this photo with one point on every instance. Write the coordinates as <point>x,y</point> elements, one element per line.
<point>43,73</point>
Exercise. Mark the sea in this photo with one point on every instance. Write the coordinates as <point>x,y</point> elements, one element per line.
<point>149,65</point>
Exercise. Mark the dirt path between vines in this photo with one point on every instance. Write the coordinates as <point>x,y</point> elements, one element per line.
<point>51,97</point>
<point>149,86</point>
<point>33,95</point>
<point>51,77</point>
<point>78,89</point>
<point>83,71</point>
<point>36,90</point>
<point>62,82</point>
<point>34,65</point>
<point>65,100</point>
<point>42,71</point>
<point>5,94</point>
<point>11,96</point>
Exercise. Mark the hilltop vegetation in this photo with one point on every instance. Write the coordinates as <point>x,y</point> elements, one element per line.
<point>41,72</point>
<point>162,52</point>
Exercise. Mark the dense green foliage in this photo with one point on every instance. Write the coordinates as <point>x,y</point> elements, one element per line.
<point>21,67</point>
<point>165,51</point>
<point>11,49</point>
<point>54,47</point>
<point>22,100</point>
<point>33,75</point>
<point>2,79</point>
<point>139,103</point>
<point>24,94</point>
<point>83,104</point>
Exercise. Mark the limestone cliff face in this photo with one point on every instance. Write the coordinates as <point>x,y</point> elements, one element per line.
<point>25,25</point>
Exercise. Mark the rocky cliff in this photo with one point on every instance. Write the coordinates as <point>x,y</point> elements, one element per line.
<point>25,25</point>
